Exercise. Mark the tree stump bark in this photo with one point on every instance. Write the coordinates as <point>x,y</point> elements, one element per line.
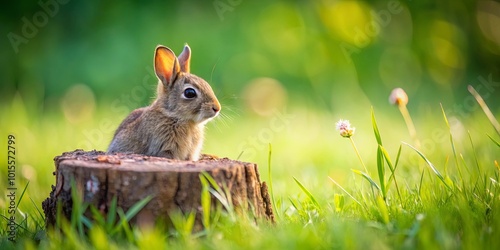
<point>174,185</point>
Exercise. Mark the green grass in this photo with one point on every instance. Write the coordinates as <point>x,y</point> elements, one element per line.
<point>447,197</point>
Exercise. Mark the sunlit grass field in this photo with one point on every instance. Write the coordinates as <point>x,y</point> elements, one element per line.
<point>445,197</point>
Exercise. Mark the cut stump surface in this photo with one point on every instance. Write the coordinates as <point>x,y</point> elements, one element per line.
<point>173,185</point>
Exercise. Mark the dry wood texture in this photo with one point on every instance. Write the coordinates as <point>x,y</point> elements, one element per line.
<point>174,185</point>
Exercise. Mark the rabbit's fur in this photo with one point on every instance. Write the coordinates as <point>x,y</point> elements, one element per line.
<point>172,126</point>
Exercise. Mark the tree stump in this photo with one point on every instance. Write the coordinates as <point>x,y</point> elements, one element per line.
<point>174,185</point>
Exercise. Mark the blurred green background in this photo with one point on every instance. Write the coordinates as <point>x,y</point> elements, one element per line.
<point>284,71</point>
<point>318,51</point>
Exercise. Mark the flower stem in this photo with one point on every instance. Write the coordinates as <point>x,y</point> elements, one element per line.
<point>357,153</point>
<point>409,124</point>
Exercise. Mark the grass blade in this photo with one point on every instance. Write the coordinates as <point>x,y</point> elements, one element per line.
<point>387,158</point>
<point>345,191</point>
<point>294,204</point>
<point>474,154</point>
<point>431,166</point>
<point>271,180</point>
<point>40,215</point>
<point>85,221</point>
<point>421,183</point>
<point>97,216</point>
<point>444,116</point>
<point>380,158</point>
<point>309,194</point>
<point>496,142</point>
<point>241,153</point>
<point>110,220</point>
<point>392,168</point>
<point>338,201</point>
<point>126,217</point>
<point>205,201</point>
<point>37,209</point>
<point>183,224</point>
<point>375,128</point>
<point>222,196</point>
<point>382,208</point>
<point>212,182</point>
<point>78,209</point>
<point>137,207</point>
<point>397,157</point>
<point>452,142</point>
<point>381,170</point>
<point>222,199</point>
<point>124,224</point>
<point>367,177</point>
<point>22,194</point>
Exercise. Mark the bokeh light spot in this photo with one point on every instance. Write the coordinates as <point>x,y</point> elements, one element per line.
<point>78,103</point>
<point>350,20</point>
<point>488,19</point>
<point>281,28</point>
<point>446,61</point>
<point>447,53</point>
<point>399,29</point>
<point>28,172</point>
<point>264,96</point>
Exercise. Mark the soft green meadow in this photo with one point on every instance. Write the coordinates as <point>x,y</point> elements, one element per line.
<point>437,190</point>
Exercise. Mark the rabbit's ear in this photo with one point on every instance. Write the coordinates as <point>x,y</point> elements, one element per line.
<point>166,64</point>
<point>185,59</point>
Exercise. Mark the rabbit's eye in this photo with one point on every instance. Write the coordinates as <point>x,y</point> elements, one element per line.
<point>189,93</point>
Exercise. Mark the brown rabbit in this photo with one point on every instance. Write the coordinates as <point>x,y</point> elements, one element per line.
<point>172,126</point>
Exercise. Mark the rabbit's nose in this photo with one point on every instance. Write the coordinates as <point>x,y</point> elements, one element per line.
<point>216,107</point>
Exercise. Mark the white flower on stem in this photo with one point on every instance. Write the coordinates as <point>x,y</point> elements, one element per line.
<point>345,129</point>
